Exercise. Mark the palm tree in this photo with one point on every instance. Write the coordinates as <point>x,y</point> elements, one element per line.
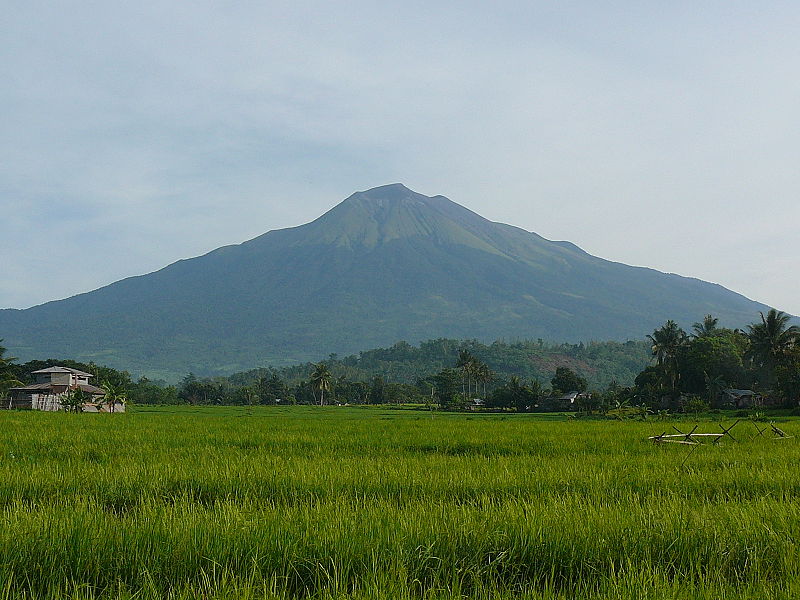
<point>321,380</point>
<point>708,326</point>
<point>771,340</point>
<point>666,343</point>
<point>466,363</point>
<point>484,375</point>
<point>74,399</point>
<point>714,386</point>
<point>7,377</point>
<point>114,394</point>
<point>5,361</point>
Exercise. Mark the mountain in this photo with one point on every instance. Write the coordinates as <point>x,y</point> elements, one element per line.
<point>384,265</point>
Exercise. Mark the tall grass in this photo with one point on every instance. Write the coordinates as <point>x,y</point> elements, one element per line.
<point>352,503</point>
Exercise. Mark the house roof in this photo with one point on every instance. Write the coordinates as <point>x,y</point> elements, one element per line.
<point>92,389</point>
<point>32,388</point>
<point>38,387</point>
<point>58,369</point>
<point>733,392</point>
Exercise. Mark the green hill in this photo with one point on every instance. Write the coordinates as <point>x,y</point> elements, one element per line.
<point>599,362</point>
<point>384,265</point>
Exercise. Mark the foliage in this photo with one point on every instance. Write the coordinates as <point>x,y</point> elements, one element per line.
<point>321,381</point>
<point>515,394</point>
<point>74,400</point>
<point>115,394</point>
<point>566,380</point>
<point>145,391</point>
<point>708,326</point>
<point>694,404</point>
<point>771,342</point>
<point>667,342</point>
<point>787,376</point>
<point>272,389</point>
<point>446,383</point>
<point>720,355</point>
<point>598,362</point>
<point>8,377</point>
<point>766,359</point>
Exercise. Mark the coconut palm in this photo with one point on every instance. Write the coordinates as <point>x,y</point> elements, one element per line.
<point>7,377</point>
<point>466,363</point>
<point>666,343</point>
<point>321,381</point>
<point>714,386</point>
<point>483,374</point>
<point>115,394</point>
<point>772,339</point>
<point>708,326</point>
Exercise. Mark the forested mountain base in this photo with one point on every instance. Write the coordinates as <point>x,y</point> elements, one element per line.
<point>599,362</point>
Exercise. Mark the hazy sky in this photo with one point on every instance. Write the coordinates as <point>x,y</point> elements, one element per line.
<point>664,134</point>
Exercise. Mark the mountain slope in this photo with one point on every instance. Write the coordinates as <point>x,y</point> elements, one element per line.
<point>385,264</point>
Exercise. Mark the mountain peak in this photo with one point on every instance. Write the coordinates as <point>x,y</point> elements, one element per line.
<point>392,193</point>
<point>391,212</point>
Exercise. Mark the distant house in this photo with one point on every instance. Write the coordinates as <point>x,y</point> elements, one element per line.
<point>50,387</point>
<point>565,402</point>
<point>740,399</point>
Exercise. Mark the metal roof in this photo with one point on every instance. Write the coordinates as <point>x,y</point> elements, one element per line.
<point>63,370</point>
<point>32,388</point>
<point>36,387</point>
<point>733,392</point>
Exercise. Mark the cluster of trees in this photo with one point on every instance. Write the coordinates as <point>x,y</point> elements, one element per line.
<point>473,370</point>
<point>521,396</point>
<point>600,362</point>
<point>320,386</point>
<point>765,358</point>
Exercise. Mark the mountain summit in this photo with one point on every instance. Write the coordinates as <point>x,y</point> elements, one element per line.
<point>383,265</point>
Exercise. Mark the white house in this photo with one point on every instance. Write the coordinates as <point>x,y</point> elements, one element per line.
<point>53,384</point>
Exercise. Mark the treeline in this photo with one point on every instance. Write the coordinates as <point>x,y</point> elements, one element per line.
<point>400,373</point>
<point>764,358</point>
<point>599,362</point>
<point>423,374</point>
<point>671,369</point>
<point>690,372</point>
<point>469,382</point>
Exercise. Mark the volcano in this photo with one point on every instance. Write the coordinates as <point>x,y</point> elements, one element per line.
<point>384,265</point>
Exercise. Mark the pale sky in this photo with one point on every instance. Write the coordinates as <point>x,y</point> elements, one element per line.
<point>134,134</point>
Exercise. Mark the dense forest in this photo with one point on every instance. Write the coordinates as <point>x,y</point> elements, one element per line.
<point>599,362</point>
<point>672,368</point>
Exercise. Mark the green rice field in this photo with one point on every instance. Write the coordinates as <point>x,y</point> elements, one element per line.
<point>348,502</point>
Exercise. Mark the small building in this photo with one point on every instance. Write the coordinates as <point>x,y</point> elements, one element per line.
<point>51,386</point>
<point>740,399</point>
<point>563,403</point>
